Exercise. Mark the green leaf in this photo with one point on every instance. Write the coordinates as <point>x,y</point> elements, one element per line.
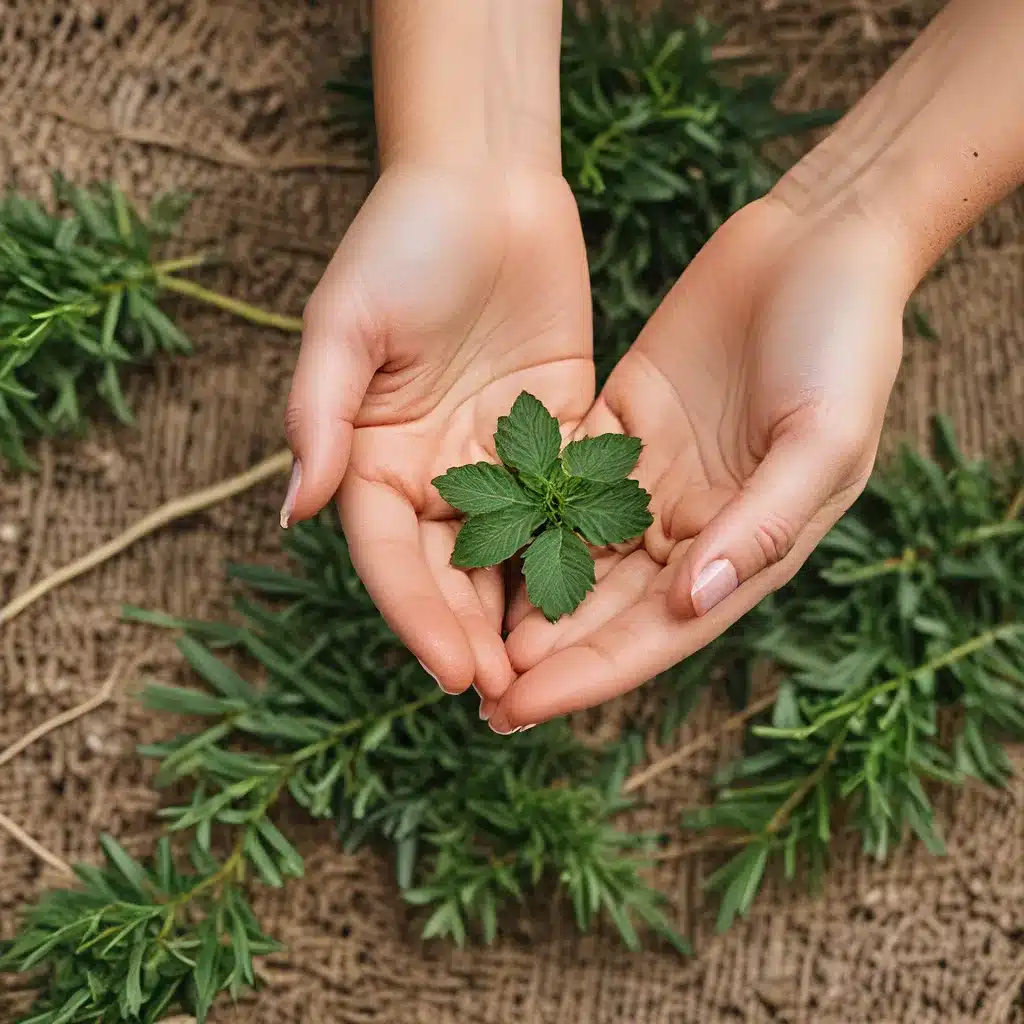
<point>528,439</point>
<point>494,537</point>
<point>608,513</point>
<point>376,734</point>
<point>290,859</point>
<point>125,865</point>
<point>606,458</point>
<point>214,671</point>
<point>262,861</point>
<point>482,487</point>
<point>747,872</point>
<point>110,318</point>
<point>181,701</point>
<point>559,572</point>
<point>133,983</point>
<point>205,976</point>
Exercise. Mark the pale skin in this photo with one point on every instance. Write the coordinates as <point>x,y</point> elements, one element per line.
<point>759,386</point>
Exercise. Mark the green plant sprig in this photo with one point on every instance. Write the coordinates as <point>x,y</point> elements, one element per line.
<point>348,727</point>
<point>909,610</point>
<point>136,941</point>
<point>364,738</point>
<point>79,302</point>
<point>549,501</point>
<point>661,142</point>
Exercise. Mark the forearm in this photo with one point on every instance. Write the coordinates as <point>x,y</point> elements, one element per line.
<point>937,141</point>
<point>468,81</point>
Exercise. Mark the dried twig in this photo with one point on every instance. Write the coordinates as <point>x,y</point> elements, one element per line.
<point>98,699</point>
<point>702,742</point>
<point>20,836</point>
<point>173,510</point>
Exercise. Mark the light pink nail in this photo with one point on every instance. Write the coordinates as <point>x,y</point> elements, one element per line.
<point>451,693</point>
<point>715,583</point>
<point>500,724</point>
<point>292,494</point>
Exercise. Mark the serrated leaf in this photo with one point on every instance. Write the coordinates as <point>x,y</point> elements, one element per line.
<point>528,438</point>
<point>482,487</point>
<point>494,537</point>
<point>606,458</point>
<point>608,513</point>
<point>559,572</point>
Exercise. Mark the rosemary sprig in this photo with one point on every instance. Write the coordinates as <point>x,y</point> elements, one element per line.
<point>349,727</point>
<point>79,302</point>
<point>910,609</point>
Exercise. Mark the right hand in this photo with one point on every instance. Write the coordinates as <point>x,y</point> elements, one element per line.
<point>453,290</point>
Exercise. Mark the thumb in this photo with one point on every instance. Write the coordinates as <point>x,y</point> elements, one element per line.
<point>801,474</point>
<point>338,357</point>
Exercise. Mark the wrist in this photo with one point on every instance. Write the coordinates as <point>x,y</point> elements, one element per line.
<point>936,142</point>
<point>477,87</point>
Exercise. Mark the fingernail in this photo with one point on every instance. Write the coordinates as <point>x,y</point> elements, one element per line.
<point>291,494</point>
<point>527,728</point>
<point>451,693</point>
<point>486,709</point>
<point>714,584</point>
<point>499,723</point>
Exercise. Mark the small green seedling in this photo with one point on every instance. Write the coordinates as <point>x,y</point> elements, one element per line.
<point>549,501</point>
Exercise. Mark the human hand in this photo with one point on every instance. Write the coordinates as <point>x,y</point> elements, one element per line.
<point>759,388</point>
<point>452,291</point>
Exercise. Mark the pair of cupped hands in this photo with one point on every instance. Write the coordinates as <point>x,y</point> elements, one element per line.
<point>758,389</point>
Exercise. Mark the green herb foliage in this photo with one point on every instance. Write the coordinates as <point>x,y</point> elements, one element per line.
<point>549,501</point>
<point>78,293</point>
<point>137,941</point>
<point>909,610</point>
<point>661,142</point>
<point>349,727</point>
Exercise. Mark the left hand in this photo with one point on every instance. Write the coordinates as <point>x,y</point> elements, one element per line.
<point>759,389</point>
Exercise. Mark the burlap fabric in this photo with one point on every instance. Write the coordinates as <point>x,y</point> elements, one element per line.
<point>223,98</point>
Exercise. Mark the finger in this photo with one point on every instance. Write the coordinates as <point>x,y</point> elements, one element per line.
<point>462,592</point>
<point>519,604</point>
<point>805,476</point>
<point>337,359</point>
<point>384,540</point>
<point>635,646</point>
<point>622,585</point>
<point>626,651</point>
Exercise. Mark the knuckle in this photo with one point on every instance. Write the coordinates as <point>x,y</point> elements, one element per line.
<point>774,536</point>
<point>292,421</point>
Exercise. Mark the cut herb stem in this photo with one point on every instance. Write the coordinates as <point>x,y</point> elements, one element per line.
<point>239,308</point>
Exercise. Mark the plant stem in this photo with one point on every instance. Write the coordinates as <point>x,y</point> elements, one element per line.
<point>233,868</point>
<point>1016,505</point>
<point>781,816</point>
<point>947,658</point>
<point>245,310</point>
<point>198,259</point>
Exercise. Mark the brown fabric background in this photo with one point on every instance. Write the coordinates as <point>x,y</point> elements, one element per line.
<point>222,98</point>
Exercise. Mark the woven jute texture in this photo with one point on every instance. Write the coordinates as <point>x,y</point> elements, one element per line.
<point>224,98</point>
